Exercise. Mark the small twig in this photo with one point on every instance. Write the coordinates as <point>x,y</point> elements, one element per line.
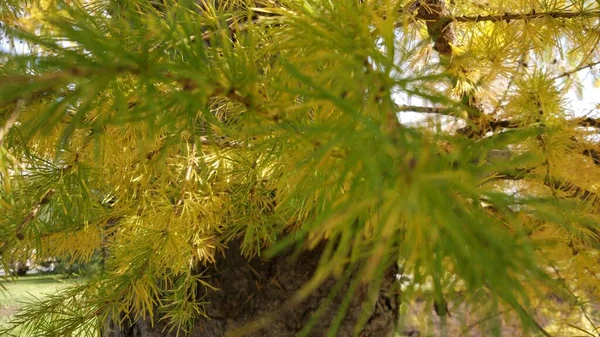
<point>220,141</point>
<point>494,125</point>
<point>232,26</point>
<point>555,184</point>
<point>426,109</point>
<point>573,71</point>
<point>32,214</point>
<point>588,122</point>
<point>526,16</point>
<point>580,329</point>
<point>11,120</point>
<point>51,79</point>
<point>473,325</point>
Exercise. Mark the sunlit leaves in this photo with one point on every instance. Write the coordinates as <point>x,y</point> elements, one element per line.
<point>158,134</point>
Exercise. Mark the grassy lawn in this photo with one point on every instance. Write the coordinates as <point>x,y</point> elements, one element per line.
<point>22,290</point>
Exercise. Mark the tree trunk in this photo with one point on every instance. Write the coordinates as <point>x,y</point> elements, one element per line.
<point>253,290</point>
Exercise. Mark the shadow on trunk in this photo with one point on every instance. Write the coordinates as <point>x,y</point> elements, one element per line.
<point>255,290</point>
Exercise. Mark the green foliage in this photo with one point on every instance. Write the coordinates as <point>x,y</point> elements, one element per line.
<point>158,133</point>
<point>15,293</point>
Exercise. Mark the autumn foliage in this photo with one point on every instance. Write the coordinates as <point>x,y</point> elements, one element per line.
<point>432,136</point>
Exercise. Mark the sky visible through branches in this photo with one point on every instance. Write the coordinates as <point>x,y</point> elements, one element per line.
<point>494,134</point>
<point>580,105</point>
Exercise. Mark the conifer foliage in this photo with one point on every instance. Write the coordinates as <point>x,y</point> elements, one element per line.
<point>160,135</point>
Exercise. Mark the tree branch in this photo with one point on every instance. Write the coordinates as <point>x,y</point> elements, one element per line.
<point>494,125</point>
<point>439,24</point>
<point>426,109</point>
<point>220,141</point>
<point>588,122</point>
<point>12,119</point>
<point>440,28</point>
<point>527,16</point>
<point>593,154</point>
<point>53,80</point>
<point>573,71</point>
<point>499,156</point>
<point>556,184</point>
<point>32,214</point>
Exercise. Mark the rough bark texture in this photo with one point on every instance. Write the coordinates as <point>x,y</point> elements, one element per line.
<point>256,289</point>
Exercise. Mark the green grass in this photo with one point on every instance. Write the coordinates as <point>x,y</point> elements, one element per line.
<point>14,292</point>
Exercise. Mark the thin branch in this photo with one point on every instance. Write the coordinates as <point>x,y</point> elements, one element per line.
<point>588,151</point>
<point>53,80</point>
<point>593,154</point>
<point>432,7</point>
<point>221,141</point>
<point>50,77</point>
<point>426,109</point>
<point>490,125</point>
<point>567,186</point>
<point>494,125</point>
<point>440,28</point>
<point>556,184</point>
<point>588,122</point>
<point>486,318</point>
<point>573,71</point>
<point>11,120</point>
<point>503,124</point>
<point>32,214</point>
<point>527,16</point>
<point>439,25</point>
<point>522,68</point>
<point>232,27</point>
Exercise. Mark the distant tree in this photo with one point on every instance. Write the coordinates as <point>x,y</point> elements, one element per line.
<point>246,167</point>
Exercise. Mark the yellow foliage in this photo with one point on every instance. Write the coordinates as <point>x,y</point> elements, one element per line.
<point>157,136</point>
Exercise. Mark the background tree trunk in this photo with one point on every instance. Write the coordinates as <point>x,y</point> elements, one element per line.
<point>255,289</point>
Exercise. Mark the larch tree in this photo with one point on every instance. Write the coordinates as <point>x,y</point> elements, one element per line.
<point>244,167</point>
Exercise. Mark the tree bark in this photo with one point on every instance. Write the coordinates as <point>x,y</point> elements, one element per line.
<point>257,289</point>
